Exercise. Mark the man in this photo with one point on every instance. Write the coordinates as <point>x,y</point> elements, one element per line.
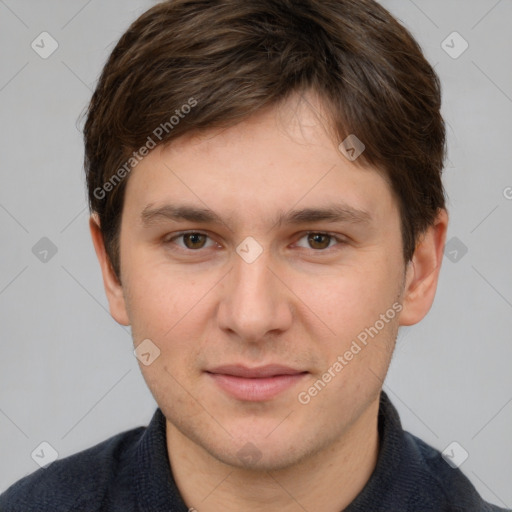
<point>267,210</point>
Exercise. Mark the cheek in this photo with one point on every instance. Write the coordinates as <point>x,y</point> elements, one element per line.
<point>169,307</point>
<point>350,299</point>
<point>153,302</point>
<point>151,307</point>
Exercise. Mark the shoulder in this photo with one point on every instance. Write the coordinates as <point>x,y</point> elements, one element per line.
<point>67,484</point>
<point>449,482</point>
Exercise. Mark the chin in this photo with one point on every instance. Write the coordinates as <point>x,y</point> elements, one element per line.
<point>264,452</point>
<point>251,458</point>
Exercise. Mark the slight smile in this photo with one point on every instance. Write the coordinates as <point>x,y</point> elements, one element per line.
<point>255,384</point>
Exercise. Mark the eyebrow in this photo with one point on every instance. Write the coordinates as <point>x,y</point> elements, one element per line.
<point>329,213</point>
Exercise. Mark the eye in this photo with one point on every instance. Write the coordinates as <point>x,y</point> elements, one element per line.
<point>319,241</point>
<point>192,240</point>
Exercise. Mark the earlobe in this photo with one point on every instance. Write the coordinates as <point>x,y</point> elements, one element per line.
<point>422,272</point>
<point>113,287</point>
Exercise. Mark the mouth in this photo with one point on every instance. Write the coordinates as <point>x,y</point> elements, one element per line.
<point>255,384</point>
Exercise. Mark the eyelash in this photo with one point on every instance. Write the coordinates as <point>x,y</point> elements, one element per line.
<point>340,241</point>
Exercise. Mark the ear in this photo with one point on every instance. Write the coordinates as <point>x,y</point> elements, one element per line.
<point>422,272</point>
<point>113,287</point>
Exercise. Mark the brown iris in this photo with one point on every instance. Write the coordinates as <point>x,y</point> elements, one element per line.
<point>194,240</point>
<point>319,240</point>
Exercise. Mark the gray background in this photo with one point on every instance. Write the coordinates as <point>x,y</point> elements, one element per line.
<point>67,371</point>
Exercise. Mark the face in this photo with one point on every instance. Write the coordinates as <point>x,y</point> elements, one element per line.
<point>267,268</point>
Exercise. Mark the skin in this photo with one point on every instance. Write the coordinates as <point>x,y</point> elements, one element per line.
<point>301,303</point>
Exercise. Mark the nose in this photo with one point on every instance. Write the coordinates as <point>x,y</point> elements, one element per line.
<point>255,304</point>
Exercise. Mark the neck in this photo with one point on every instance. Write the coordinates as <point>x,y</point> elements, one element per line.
<point>328,480</point>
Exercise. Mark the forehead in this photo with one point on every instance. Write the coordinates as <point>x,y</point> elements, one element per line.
<point>281,159</point>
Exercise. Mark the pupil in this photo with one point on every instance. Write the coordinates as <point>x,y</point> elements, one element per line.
<point>319,239</point>
<point>195,239</point>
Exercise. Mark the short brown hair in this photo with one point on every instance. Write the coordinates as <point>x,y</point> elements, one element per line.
<point>236,57</point>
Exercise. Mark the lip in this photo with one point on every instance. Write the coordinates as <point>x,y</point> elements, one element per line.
<point>255,384</point>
